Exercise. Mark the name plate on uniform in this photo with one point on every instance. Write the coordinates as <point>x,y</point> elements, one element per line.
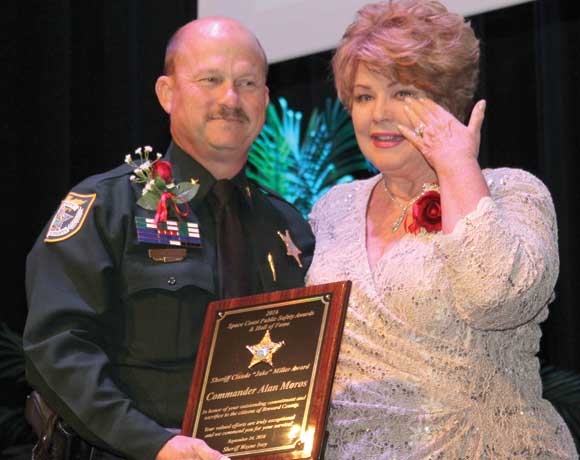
<point>264,372</point>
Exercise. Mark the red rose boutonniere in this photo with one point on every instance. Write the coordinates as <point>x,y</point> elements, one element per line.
<point>157,175</point>
<point>426,213</point>
<point>163,170</point>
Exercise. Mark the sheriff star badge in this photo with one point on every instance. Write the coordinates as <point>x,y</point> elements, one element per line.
<point>291,248</point>
<point>264,350</point>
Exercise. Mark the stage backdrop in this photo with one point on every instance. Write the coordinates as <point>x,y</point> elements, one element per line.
<point>295,28</point>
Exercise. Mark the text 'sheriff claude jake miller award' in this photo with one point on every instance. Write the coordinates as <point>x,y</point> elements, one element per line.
<point>264,373</point>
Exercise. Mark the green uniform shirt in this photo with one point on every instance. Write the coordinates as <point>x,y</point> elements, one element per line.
<point>112,335</point>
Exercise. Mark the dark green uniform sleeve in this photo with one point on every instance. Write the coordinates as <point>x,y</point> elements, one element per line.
<point>72,295</point>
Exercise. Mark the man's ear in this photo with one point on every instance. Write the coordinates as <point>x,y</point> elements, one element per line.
<point>164,91</point>
<point>267,95</point>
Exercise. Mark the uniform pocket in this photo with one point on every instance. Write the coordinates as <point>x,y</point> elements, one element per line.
<point>143,273</point>
<point>165,307</point>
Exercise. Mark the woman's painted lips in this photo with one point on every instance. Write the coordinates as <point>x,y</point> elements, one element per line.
<point>386,140</point>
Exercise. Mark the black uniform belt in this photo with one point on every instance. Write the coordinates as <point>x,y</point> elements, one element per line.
<point>55,441</point>
<point>68,445</point>
<point>58,442</point>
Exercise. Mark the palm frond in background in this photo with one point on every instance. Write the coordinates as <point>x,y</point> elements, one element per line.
<point>11,357</point>
<point>14,430</point>
<point>302,167</point>
<point>562,388</point>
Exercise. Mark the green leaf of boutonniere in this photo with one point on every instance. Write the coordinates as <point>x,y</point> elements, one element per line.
<point>160,183</point>
<point>185,191</point>
<point>149,201</point>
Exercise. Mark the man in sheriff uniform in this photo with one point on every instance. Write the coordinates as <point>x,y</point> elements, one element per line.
<point>115,318</point>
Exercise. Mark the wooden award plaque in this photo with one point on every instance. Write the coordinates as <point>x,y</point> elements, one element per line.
<point>264,371</point>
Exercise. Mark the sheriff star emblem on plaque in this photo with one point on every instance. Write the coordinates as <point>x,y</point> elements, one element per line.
<point>264,350</point>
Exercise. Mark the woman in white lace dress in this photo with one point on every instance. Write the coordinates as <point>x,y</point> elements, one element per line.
<point>452,267</point>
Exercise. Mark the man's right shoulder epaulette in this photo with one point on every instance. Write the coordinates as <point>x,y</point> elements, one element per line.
<point>92,181</point>
<point>267,191</point>
<point>276,199</point>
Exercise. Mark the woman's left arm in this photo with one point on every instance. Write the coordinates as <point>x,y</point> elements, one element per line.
<point>501,262</point>
<point>451,148</point>
<point>500,253</point>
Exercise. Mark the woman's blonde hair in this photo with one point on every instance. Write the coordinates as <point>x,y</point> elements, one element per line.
<point>414,42</point>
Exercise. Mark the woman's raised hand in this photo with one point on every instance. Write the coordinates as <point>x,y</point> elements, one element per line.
<point>447,144</point>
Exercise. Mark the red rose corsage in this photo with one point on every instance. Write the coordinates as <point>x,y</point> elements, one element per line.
<point>159,189</point>
<point>426,212</point>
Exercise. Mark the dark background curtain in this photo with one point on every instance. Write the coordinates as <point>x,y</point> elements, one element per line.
<point>78,95</point>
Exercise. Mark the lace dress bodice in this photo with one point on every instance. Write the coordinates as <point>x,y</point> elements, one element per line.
<point>438,358</point>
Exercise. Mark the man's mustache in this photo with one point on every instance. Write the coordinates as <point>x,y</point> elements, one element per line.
<point>229,114</point>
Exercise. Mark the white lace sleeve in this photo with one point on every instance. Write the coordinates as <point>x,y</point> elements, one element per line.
<point>312,218</point>
<point>502,259</point>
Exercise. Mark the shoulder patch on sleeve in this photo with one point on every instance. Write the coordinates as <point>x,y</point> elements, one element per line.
<point>69,217</point>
